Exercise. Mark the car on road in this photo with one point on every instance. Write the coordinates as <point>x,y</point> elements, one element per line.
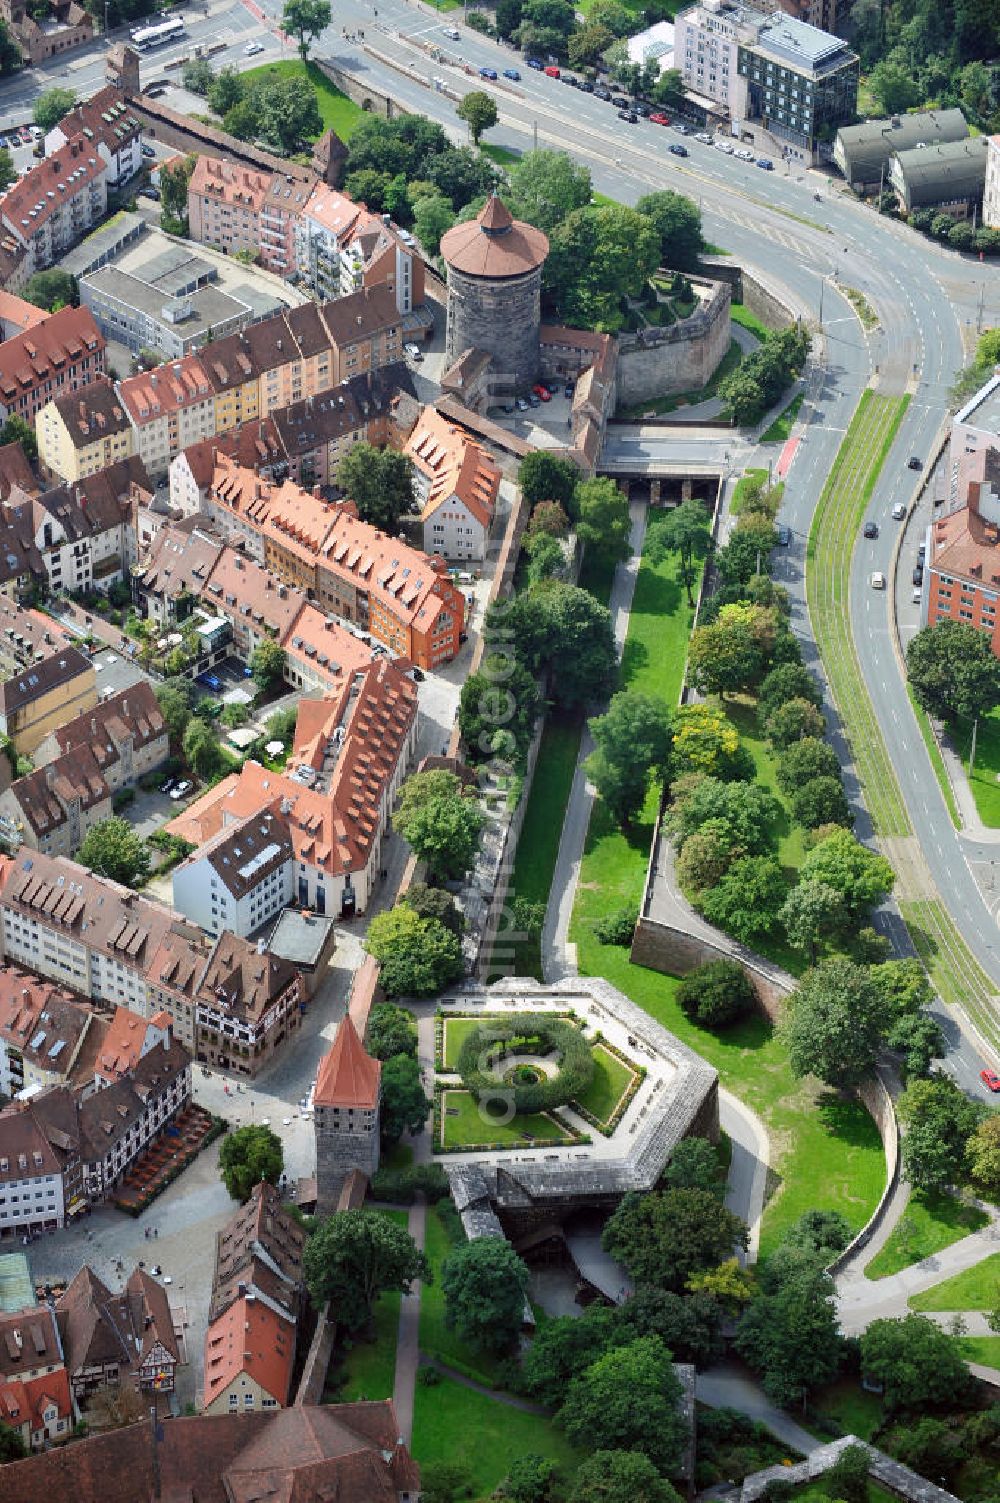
<point>784,536</point>
<point>25,135</point>
<point>38,133</point>
<point>918,574</point>
<point>149,192</point>
<point>918,596</point>
<point>659,119</point>
<point>724,146</point>
<point>629,116</point>
<point>147,151</point>
<point>871,529</point>
<point>600,92</point>
<point>586,86</point>
<point>552,71</point>
<point>513,74</point>
<point>534,400</point>
<point>682,129</point>
<point>678,150</point>
<point>452,32</point>
<point>522,405</point>
<point>537,64</point>
<point>179,790</point>
<point>568,390</point>
<point>878,581</point>
<point>921,553</point>
<point>899,511</point>
<point>488,73</point>
<point>990,1079</point>
<point>571,79</point>
<point>542,393</point>
<point>765,163</point>
<point>413,350</point>
<point>914,462</point>
<point>252,48</point>
<point>643,109</point>
<point>702,135</point>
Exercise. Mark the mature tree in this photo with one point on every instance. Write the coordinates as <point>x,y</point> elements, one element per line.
<point>545,477</point>
<point>983,1158</point>
<point>938,1120</point>
<point>851,868</point>
<point>742,813</point>
<point>174,183</point>
<point>531,1479</point>
<point>197,75</point>
<point>790,681</point>
<point>460,173</point>
<point>894,87</point>
<point>821,801</point>
<point>604,523</point>
<point>248,1156</point>
<point>706,857</point>
<point>419,957</point>
<point>267,663</point>
<point>509,14</point>
<point>705,740</point>
<point>404,1105</point>
<point>806,759</point>
<point>812,912</point>
<point>50,106</point>
<point>485,1285</point>
<point>500,697</point>
<point>912,1031</point>
<point>12,1447</point>
<point>435,903</point>
<point>391,1030</point>
<point>226,91</point>
<point>791,1336</point>
<point>598,256</point>
<point>915,1360</point>
<point>379,482</point>
<point>560,628</point>
<point>669,89</point>
<point>835,1023</point>
<point>173,698</point>
<point>444,1482</point>
<point>628,1399</point>
<point>563,1347</point>
<point>795,720</point>
<point>821,1233</point>
<point>112,849</point>
<point>479,111</point>
<point>620,1477</point>
<point>112,1406</point>
<point>694,1165</point>
<point>433,216</point>
<point>52,289</point>
<point>685,530</point>
<point>16,431</point>
<point>716,993</point>
<point>587,44</point>
<point>748,551</point>
<point>952,671</point>
<point>10,52</point>
<point>355,1256</point>
<point>289,112</point>
<point>547,559</point>
<point>201,748</point>
<point>305,20</point>
<point>664,1237</point>
<point>549,518</point>
<point>632,743</point>
<point>732,653</point>
<point>747,899</point>
<point>678,224</point>
<point>440,822</point>
<point>689,1325</point>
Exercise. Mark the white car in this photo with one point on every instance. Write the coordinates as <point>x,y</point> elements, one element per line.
<point>452,32</point>
<point>703,135</point>
<point>743,154</point>
<point>252,48</point>
<point>878,581</point>
<point>184,786</point>
<point>918,596</point>
<point>899,511</point>
<point>413,350</point>
<point>725,146</point>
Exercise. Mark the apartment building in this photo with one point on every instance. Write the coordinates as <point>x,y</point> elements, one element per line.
<point>249,1359</point>
<point>106,122</point>
<point>367,332</point>
<point>254,446</point>
<point>340,246</point>
<point>35,1398</point>
<point>41,697</point>
<point>84,431</point>
<point>248,1003</point>
<point>706,50</point>
<point>255,603</point>
<point>115,1339</point>
<point>40,1178</point>
<point>128,1039</point>
<point>962,562</point>
<point>313,435</point>
<point>235,208</point>
<point>351,752</point>
<point>457,484</point>
<point>259,1251</point>
<point>126,734</point>
<point>53,206</point>
<point>240,880</point>
<point>47,1036</point>
<point>61,354</point>
<point>169,408</point>
<point>167,581</point>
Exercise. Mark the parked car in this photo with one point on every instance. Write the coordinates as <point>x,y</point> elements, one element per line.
<point>921,553</point>
<point>413,350</point>
<point>586,86</point>
<point>899,511</point>
<point>600,92</point>
<point>167,786</point>
<point>252,48</point>
<point>990,1079</point>
<point>571,79</point>
<point>534,62</point>
<point>522,405</point>
<point>25,135</point>
<point>488,73</point>
<point>743,154</point>
<point>784,536</point>
<point>918,596</point>
<point>542,393</point>
<point>659,119</point>
<point>682,129</point>
<point>678,150</point>
<point>878,581</point>
<point>765,163</point>
<point>149,192</point>
<point>210,681</point>
<point>629,116</point>
<point>513,74</point>
<point>721,145</point>
<point>534,400</point>
<point>871,529</point>
<point>918,574</point>
<point>147,151</point>
<point>702,135</point>
<point>551,71</point>
<point>179,790</point>
<point>568,391</point>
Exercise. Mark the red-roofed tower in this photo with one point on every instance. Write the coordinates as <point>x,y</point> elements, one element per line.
<point>346,1115</point>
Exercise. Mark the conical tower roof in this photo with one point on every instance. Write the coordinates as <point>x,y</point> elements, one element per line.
<point>494,245</point>
<point>348,1077</point>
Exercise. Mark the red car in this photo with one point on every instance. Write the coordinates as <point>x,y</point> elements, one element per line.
<point>542,393</point>
<point>659,119</point>
<point>990,1079</point>
<point>551,72</point>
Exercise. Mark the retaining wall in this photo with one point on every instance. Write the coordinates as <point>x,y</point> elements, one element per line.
<point>317,1363</point>
<point>366,95</point>
<point>682,357</point>
<point>883,1469</point>
<point>749,288</point>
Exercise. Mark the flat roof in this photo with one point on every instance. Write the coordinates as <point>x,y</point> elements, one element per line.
<point>126,225</point>
<point>300,937</point>
<point>983,409</point>
<point>209,305</point>
<point>16,1288</point>
<point>797,41</point>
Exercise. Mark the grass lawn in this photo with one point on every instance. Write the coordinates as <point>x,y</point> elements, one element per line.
<point>982,1349</point>
<point>435,1336</point>
<point>538,846</point>
<point>368,1368</point>
<point>740,314</point>
<point>468,1127</point>
<point>730,360</point>
<point>782,425</point>
<point>453,1423</point>
<point>848,1405</point>
<point>501,156</point>
<point>976,1288</point>
<point>749,478</point>
<point>455,1032</point>
<point>611,1080</point>
<point>336,110</point>
<point>985,780</point>
<point>929,1224</point>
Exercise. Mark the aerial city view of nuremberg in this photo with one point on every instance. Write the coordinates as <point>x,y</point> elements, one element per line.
<point>499,751</point>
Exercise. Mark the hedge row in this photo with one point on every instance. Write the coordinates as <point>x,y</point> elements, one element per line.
<point>531,1033</point>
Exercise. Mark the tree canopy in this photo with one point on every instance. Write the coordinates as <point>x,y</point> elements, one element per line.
<point>485,1285</point>
<point>952,671</point>
<point>545,187</point>
<point>858,874</point>
<point>665,1236</point>
<point>791,1336</point>
<point>440,821</point>
<point>267,662</point>
<point>599,255</point>
<point>715,994</point>
<point>628,1399</point>
<point>834,1023</point>
<point>677,221</point>
<point>112,849</point>
<point>391,1030</point>
<point>915,1360</point>
<point>938,1121</point>
<point>51,105</point>
<point>560,629</point>
<point>419,957</point>
<point>479,111</point>
<point>248,1156</point>
<point>305,20</point>
<point>545,477</point>
<point>499,700</point>
<point>603,521</point>
<point>632,742</point>
<point>621,1477</point>
<point>380,483</point>
<point>355,1256</point>
<point>52,289</point>
<point>404,1104</point>
<point>747,898</point>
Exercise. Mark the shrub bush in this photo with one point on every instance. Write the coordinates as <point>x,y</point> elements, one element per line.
<point>716,994</point>
<point>617,928</point>
<point>537,1034</point>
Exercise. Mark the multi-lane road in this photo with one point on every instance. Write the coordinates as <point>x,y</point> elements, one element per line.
<point>795,226</point>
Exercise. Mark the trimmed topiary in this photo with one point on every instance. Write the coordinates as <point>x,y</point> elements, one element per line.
<point>526,1033</point>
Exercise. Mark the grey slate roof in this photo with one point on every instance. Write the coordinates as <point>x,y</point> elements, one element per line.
<point>863,150</point>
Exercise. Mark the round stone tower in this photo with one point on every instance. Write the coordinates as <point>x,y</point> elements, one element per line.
<point>495,292</point>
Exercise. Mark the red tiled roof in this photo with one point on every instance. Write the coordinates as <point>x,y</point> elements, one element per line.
<point>249,1338</point>
<point>51,348</point>
<point>493,245</point>
<point>56,181</point>
<point>348,1077</point>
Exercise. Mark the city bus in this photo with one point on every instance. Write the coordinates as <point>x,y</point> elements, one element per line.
<point>160,34</point>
